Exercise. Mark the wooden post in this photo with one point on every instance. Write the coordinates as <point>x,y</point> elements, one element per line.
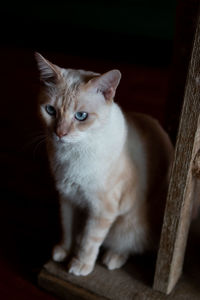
<point>180,195</point>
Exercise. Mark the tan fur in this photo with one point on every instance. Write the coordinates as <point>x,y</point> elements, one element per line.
<point>103,223</point>
<point>90,251</point>
<point>96,239</point>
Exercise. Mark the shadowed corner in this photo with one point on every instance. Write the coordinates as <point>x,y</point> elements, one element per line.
<point>28,220</point>
<point>142,267</point>
<point>29,210</point>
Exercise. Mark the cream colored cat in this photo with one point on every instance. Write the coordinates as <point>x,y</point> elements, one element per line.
<point>114,168</point>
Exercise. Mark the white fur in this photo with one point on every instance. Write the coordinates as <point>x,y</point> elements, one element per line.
<point>85,164</point>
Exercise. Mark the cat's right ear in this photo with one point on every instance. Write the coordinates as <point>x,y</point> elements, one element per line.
<point>106,84</point>
<point>50,74</point>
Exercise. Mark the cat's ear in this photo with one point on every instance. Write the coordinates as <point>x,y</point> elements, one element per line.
<point>106,83</point>
<point>49,73</point>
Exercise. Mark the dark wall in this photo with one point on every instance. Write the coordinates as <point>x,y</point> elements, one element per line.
<point>139,30</point>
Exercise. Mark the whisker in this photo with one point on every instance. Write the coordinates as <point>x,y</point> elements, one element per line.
<point>34,140</point>
<point>39,144</point>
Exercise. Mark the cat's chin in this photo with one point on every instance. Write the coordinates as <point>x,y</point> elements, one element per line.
<point>65,140</point>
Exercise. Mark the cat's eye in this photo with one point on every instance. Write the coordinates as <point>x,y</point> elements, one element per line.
<point>81,115</point>
<point>50,110</point>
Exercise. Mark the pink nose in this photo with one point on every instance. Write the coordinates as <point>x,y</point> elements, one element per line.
<point>61,132</point>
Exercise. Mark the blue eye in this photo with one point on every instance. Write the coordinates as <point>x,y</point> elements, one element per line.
<point>50,110</point>
<point>81,116</point>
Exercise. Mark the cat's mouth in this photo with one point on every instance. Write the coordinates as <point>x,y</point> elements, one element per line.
<point>57,139</point>
<point>64,140</point>
<point>61,141</point>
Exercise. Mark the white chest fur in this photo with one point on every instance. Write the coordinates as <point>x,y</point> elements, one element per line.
<point>81,169</point>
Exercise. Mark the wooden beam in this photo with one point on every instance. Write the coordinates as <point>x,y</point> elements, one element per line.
<point>180,195</point>
<point>130,282</point>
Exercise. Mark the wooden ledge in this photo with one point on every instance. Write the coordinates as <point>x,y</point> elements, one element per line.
<point>131,282</point>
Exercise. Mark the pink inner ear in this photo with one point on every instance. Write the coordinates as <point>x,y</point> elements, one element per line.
<point>106,83</point>
<point>49,73</point>
<point>109,93</point>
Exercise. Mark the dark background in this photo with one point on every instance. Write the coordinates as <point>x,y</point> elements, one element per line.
<point>135,30</point>
<point>135,36</point>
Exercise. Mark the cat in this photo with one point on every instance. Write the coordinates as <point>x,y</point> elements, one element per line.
<point>113,166</point>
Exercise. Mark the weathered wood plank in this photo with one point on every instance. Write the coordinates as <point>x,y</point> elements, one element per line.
<point>118,284</point>
<point>64,289</point>
<point>126,283</point>
<point>180,195</point>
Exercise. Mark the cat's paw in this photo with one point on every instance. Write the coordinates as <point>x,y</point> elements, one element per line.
<point>113,260</point>
<point>78,268</point>
<point>59,254</point>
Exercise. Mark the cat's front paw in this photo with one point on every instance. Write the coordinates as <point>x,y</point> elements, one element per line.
<point>59,254</point>
<point>78,268</point>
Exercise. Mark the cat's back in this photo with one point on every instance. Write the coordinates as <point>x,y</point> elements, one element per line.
<point>150,146</point>
<point>150,132</point>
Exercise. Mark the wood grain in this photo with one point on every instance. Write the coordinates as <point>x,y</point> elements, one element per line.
<point>180,194</point>
<point>126,283</point>
<point>64,289</point>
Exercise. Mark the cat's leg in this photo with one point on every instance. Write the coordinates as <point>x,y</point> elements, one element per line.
<point>95,232</point>
<point>128,235</point>
<point>61,250</point>
<point>116,244</point>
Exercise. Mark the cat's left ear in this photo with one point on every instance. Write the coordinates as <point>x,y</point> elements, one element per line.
<point>49,73</point>
<point>106,83</point>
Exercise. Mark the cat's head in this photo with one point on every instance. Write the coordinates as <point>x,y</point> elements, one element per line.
<point>74,103</point>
